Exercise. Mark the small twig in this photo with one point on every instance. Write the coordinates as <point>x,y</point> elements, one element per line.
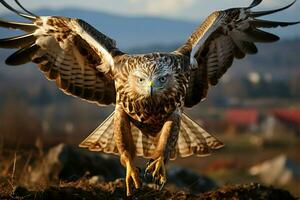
<point>7,168</point>
<point>13,172</point>
<point>26,165</point>
<point>14,167</point>
<point>11,182</point>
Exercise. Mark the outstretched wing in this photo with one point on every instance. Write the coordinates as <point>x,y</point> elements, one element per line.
<point>224,36</point>
<point>69,51</point>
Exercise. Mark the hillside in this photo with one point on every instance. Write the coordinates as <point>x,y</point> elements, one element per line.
<point>129,32</point>
<point>281,60</point>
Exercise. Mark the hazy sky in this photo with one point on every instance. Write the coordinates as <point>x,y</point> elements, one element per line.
<point>180,9</point>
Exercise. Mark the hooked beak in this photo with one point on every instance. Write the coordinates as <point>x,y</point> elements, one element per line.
<point>150,87</point>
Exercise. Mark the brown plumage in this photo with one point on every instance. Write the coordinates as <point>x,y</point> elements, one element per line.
<point>149,91</point>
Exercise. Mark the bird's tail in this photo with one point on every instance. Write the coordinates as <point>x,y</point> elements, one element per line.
<point>192,140</point>
<point>102,139</point>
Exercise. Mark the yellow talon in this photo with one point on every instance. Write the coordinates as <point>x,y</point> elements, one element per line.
<point>131,175</point>
<point>157,167</point>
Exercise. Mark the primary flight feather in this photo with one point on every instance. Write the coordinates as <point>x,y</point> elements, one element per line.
<point>149,90</point>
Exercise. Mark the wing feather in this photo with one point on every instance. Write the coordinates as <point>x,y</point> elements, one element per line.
<point>22,56</point>
<point>259,23</point>
<point>17,25</point>
<point>18,42</point>
<point>69,51</point>
<point>223,36</point>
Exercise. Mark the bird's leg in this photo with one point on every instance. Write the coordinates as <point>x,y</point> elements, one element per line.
<point>167,141</point>
<point>126,148</point>
<point>157,167</point>
<point>132,174</point>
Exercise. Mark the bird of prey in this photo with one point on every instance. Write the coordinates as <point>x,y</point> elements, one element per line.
<point>149,91</point>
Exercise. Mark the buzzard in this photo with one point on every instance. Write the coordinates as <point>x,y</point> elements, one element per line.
<point>149,91</point>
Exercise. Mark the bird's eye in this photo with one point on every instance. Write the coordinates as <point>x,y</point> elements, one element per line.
<point>162,79</point>
<point>141,80</point>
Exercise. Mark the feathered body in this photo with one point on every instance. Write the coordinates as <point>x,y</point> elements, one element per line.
<point>149,113</point>
<point>150,90</point>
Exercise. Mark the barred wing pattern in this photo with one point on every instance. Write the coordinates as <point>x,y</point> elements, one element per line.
<point>224,36</point>
<point>68,51</point>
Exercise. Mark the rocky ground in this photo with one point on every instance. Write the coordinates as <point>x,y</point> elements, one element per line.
<point>66,172</point>
<point>116,190</point>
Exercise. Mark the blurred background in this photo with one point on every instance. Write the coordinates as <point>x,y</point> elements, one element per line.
<point>255,109</point>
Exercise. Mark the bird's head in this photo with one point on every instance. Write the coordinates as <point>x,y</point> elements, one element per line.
<point>153,80</point>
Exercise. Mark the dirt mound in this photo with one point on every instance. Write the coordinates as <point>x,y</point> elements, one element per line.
<point>115,190</point>
<point>247,191</point>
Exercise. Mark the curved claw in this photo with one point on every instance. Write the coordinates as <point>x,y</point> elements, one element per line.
<point>162,184</point>
<point>146,173</point>
<point>158,170</point>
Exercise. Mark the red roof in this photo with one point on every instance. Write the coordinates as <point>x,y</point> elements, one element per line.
<point>242,116</point>
<point>291,116</point>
